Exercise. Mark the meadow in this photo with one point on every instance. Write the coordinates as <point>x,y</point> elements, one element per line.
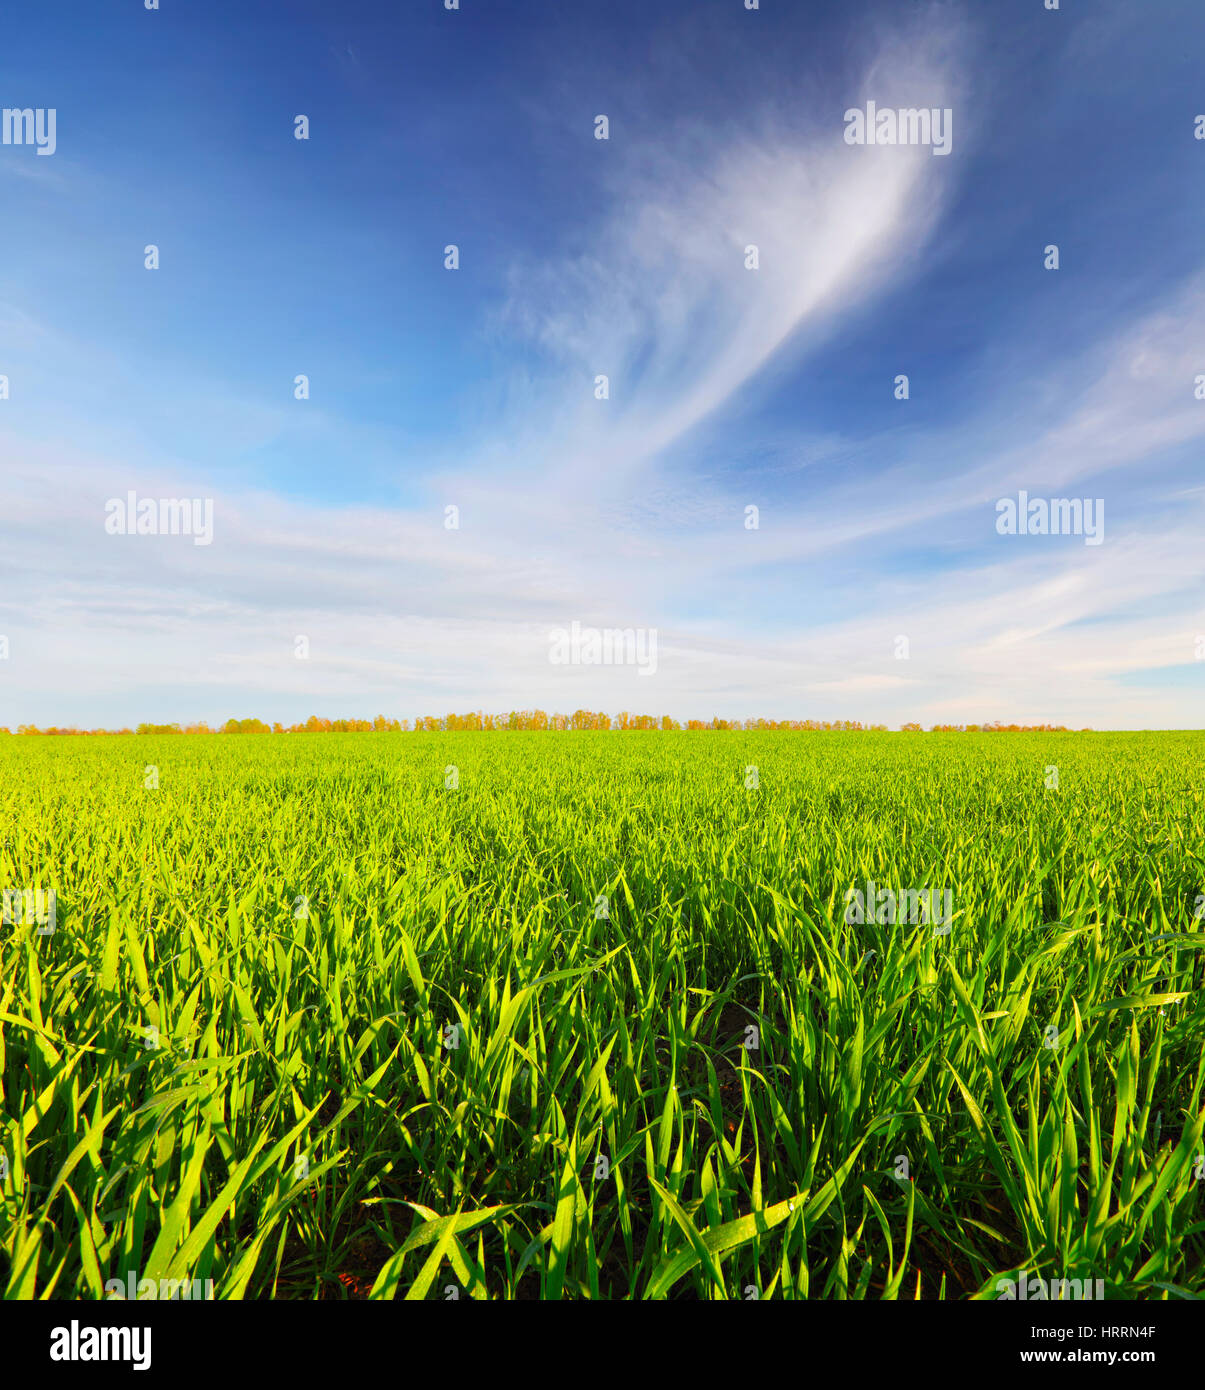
<point>581,1015</point>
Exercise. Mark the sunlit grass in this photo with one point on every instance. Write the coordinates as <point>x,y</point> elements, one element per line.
<point>464,1070</point>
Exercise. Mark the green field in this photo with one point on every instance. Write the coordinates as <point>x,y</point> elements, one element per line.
<point>400,1025</point>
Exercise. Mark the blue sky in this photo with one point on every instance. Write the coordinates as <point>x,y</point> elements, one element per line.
<point>729,387</point>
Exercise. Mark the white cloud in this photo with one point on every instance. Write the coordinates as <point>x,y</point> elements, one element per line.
<point>569,512</point>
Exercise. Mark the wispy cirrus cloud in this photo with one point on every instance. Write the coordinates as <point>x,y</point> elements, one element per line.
<point>599,510</point>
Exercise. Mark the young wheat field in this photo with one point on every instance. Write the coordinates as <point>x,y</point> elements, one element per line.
<point>589,1015</point>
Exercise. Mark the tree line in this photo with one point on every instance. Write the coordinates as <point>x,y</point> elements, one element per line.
<point>538,721</point>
